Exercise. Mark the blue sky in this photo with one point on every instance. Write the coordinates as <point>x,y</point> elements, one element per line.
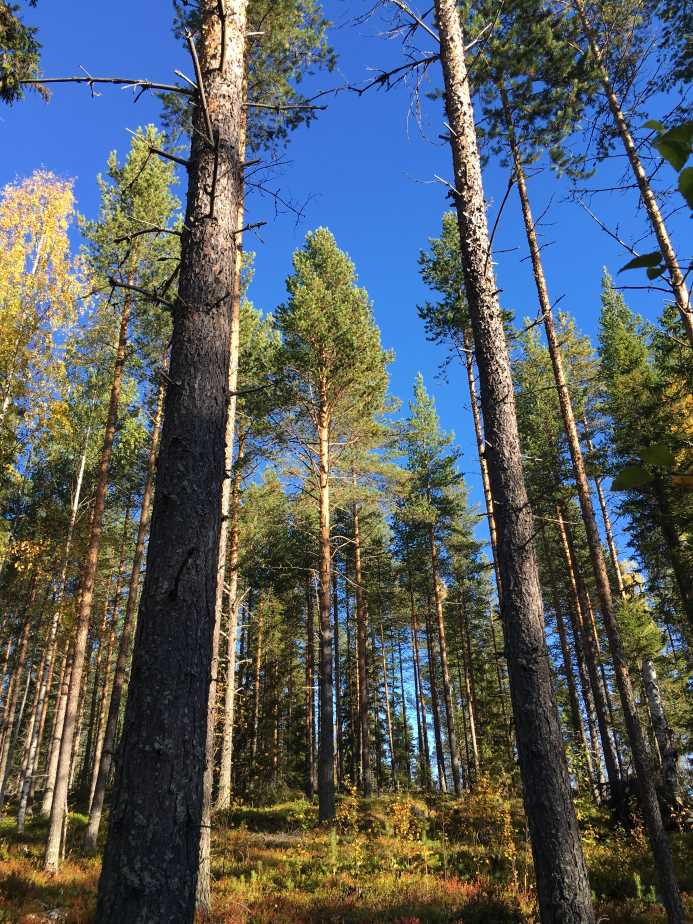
<point>364,168</point>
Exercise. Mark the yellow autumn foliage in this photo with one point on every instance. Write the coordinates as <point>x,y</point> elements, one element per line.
<point>40,286</point>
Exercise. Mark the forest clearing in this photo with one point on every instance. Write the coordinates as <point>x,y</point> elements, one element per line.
<point>346,502</point>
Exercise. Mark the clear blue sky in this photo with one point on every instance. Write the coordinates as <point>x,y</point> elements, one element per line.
<point>364,168</point>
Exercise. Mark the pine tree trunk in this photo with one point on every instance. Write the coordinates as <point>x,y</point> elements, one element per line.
<point>120,674</point>
<point>388,711</point>
<point>405,720</point>
<point>576,719</point>
<point>362,658</point>
<point>105,645</point>
<point>337,678</point>
<point>151,860</point>
<point>682,574</point>
<point>481,452</point>
<point>204,883</point>
<point>103,710</point>
<point>62,778</point>
<point>13,698</point>
<point>310,721</point>
<point>326,791</point>
<point>562,884</point>
<point>466,650</point>
<point>13,736</point>
<point>435,706</point>
<point>447,689</point>
<point>422,722</point>
<point>26,751</point>
<point>678,285</point>
<point>591,656</point>
<point>225,766</point>
<point>259,653</point>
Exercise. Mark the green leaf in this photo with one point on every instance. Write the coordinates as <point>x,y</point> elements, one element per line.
<point>676,144</point>
<point>658,454</point>
<point>686,185</point>
<point>653,123</point>
<point>645,259</point>
<point>632,476</point>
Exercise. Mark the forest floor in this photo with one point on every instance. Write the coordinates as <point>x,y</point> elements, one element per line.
<point>393,859</point>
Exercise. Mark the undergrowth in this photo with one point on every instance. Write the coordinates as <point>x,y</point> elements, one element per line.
<point>403,859</point>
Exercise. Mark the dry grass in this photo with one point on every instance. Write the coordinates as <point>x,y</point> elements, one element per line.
<point>389,860</point>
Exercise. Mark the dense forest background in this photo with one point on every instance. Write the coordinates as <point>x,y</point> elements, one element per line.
<point>345,571</point>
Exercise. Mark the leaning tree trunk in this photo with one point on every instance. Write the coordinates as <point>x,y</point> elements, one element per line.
<point>62,779</point>
<point>120,673</point>
<point>676,278</point>
<point>326,793</point>
<point>151,859</point>
<point>562,883</point>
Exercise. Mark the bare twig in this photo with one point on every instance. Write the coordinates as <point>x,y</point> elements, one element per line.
<point>200,86</point>
<point>118,81</point>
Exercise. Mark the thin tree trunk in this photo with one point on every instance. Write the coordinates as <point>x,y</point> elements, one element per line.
<point>326,789</point>
<point>678,285</point>
<point>62,779</point>
<point>591,656</point>
<point>447,689</point>
<point>105,645</point>
<point>388,711</point>
<point>151,859</point>
<point>663,735</point>
<point>8,724</point>
<point>576,719</point>
<point>310,724</point>
<point>468,347</point>
<point>435,706</point>
<point>562,883</point>
<point>120,673</point>
<point>225,767</point>
<point>337,678</point>
<point>469,693</point>
<point>362,657</point>
<point>405,720</point>
<point>424,752</point>
<point>259,652</point>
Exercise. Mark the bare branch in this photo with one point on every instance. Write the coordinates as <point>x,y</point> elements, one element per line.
<point>118,81</point>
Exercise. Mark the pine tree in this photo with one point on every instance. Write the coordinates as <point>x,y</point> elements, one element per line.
<point>335,380</point>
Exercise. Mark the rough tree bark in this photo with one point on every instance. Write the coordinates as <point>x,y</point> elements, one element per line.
<point>151,859</point>
<point>120,673</point>
<point>326,791</point>
<point>562,884</point>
